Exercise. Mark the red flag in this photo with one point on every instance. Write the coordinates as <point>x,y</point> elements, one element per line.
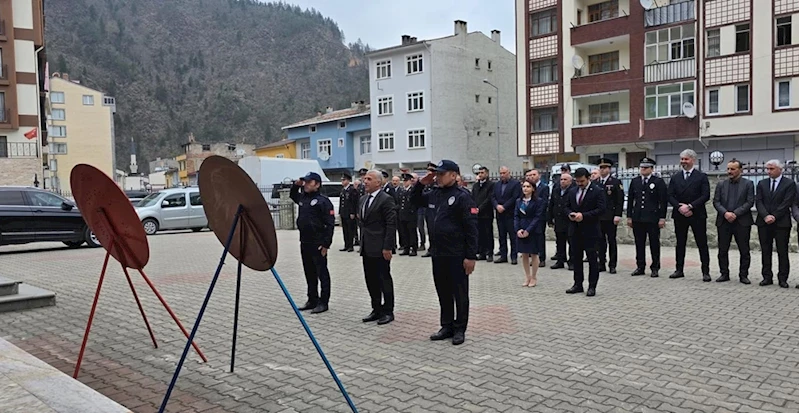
<point>31,134</point>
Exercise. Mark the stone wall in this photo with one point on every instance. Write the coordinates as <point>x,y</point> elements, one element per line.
<point>20,171</point>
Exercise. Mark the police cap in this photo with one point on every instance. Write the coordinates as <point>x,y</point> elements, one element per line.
<point>385,174</point>
<point>565,167</point>
<point>346,176</point>
<point>312,176</point>
<point>447,166</point>
<point>647,162</point>
<point>362,171</point>
<point>407,177</point>
<point>605,162</point>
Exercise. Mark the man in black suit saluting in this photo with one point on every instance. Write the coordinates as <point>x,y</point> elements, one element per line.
<point>689,191</point>
<point>773,200</point>
<point>377,217</point>
<point>733,201</point>
<point>584,206</point>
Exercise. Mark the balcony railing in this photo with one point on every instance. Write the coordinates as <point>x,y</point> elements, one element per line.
<point>19,150</point>
<point>673,13</point>
<point>678,69</point>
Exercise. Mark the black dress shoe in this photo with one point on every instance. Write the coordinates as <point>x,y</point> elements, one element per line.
<point>442,334</point>
<point>458,338</point>
<point>356,243</point>
<point>344,249</point>
<point>557,265</point>
<point>591,292</point>
<point>745,280</point>
<point>554,258</point>
<point>481,257</point>
<point>427,255</point>
<point>500,260</point>
<point>309,305</point>
<point>351,250</point>
<point>638,271</point>
<point>321,308</point>
<point>421,248</point>
<point>784,284</point>
<point>677,274</point>
<point>570,267</point>
<point>723,278</point>
<point>706,278</point>
<point>514,262</point>
<point>412,254</point>
<point>489,258</point>
<point>574,290</point>
<point>404,252</point>
<point>612,270</point>
<point>373,316</point>
<point>654,274</point>
<point>766,282</point>
<point>385,319</point>
<point>602,268</point>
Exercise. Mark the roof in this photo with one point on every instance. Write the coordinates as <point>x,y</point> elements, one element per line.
<point>278,144</point>
<point>417,43</point>
<point>335,115</point>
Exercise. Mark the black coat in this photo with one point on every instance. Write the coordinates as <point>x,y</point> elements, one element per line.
<point>348,201</point>
<point>513,191</point>
<point>695,192</point>
<point>378,225</point>
<point>614,198</point>
<point>482,193</point>
<point>592,207</point>
<point>777,204</point>
<point>647,204</point>
<point>556,212</point>
<point>453,228</point>
<point>407,210</point>
<point>745,202</point>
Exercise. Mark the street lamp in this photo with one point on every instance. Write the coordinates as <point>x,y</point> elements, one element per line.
<point>716,158</point>
<point>497,105</point>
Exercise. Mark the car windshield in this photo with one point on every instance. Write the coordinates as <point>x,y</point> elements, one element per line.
<point>149,201</point>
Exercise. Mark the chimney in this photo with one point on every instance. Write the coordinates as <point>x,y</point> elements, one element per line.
<point>328,110</point>
<point>460,27</point>
<point>413,40</point>
<point>406,39</point>
<point>353,105</point>
<point>65,76</point>
<point>495,36</point>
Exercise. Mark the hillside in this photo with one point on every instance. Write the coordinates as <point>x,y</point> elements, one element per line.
<point>225,70</point>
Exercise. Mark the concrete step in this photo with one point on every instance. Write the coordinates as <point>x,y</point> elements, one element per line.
<point>9,287</point>
<point>23,296</point>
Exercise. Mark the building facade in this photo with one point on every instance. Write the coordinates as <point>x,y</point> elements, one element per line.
<point>446,98</point>
<point>194,153</point>
<point>23,136</point>
<point>625,79</point>
<point>81,130</point>
<point>284,148</point>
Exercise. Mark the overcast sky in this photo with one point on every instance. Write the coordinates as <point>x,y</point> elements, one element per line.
<point>381,23</point>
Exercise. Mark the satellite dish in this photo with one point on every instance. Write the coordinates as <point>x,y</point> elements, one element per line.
<point>689,110</point>
<point>647,4</point>
<point>578,62</point>
<point>324,155</point>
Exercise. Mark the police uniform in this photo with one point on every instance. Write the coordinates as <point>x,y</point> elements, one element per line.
<point>453,232</point>
<point>348,205</point>
<point>408,216</point>
<point>646,207</point>
<point>316,221</point>
<point>614,206</point>
<point>429,214</point>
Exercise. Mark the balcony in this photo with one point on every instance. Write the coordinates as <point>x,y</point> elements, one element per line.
<point>605,66</point>
<point>678,69</point>
<point>601,109</point>
<point>599,20</point>
<point>19,150</point>
<point>676,12</point>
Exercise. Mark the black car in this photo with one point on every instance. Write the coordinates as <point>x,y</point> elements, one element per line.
<point>36,215</point>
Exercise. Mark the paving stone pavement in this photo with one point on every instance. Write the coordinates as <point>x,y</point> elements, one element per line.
<point>640,345</point>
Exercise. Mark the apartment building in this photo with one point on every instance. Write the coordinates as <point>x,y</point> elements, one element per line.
<point>625,79</point>
<point>446,98</point>
<point>22,76</point>
<point>194,153</point>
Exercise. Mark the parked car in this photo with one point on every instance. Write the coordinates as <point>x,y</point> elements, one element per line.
<point>136,196</point>
<point>173,208</point>
<point>30,214</point>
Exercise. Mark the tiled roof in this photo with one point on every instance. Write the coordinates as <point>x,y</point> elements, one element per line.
<point>332,116</point>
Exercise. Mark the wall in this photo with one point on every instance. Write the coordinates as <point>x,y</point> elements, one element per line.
<point>287,150</point>
<point>522,88</point>
<point>20,171</point>
<point>341,157</point>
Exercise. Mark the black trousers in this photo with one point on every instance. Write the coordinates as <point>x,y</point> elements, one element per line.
<point>506,230</point>
<point>401,234</point>
<point>377,272</point>
<point>561,243</point>
<point>582,245</point>
<point>428,218</point>
<point>608,245</point>
<point>727,231</point>
<point>420,219</point>
<point>485,236</point>
<point>769,235</point>
<point>348,228</point>
<point>452,286</point>
<point>315,267</point>
<point>699,227</point>
<point>407,230</point>
<point>642,231</point>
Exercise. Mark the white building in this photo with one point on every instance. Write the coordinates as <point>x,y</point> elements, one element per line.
<point>443,99</point>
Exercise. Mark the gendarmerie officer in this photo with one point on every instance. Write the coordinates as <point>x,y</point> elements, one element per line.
<point>348,205</point>
<point>608,221</point>
<point>454,234</point>
<point>408,215</point>
<point>646,215</point>
<point>316,221</point>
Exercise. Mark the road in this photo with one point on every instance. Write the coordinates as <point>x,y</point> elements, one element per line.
<point>640,345</point>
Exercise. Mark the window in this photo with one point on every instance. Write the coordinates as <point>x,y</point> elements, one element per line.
<point>713,102</point>
<point>742,38</point>
<point>603,112</point>
<point>174,201</point>
<point>57,131</point>
<point>713,43</point>
<point>545,120</point>
<point>416,139</point>
<point>669,44</point>
<point>544,71</point>
<point>53,165</point>
<point>385,105</point>
<point>366,145</point>
<point>45,199</point>
<point>58,114</point>
<point>784,31</point>
<point>742,98</point>
<point>414,64</point>
<point>605,62</point>
<point>603,11</point>
<point>489,100</point>
<point>312,128</point>
<point>490,66</point>
<point>342,124</point>
<point>476,98</point>
<point>88,100</point>
<point>544,22</point>
<point>206,147</point>
<point>784,94</point>
<point>194,199</point>
<point>490,134</point>
<point>383,69</point>
<point>11,198</point>
<point>385,141</point>
<point>305,150</point>
<point>324,146</point>
<point>58,148</point>
<point>56,97</point>
<point>415,101</point>
<point>665,101</point>
<point>3,148</point>
<point>477,63</point>
<point>231,147</point>
<point>108,101</point>
<point>340,142</point>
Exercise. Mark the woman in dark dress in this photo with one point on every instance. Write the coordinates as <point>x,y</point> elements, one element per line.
<point>529,222</point>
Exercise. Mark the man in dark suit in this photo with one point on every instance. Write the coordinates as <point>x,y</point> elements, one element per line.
<point>359,186</point>
<point>584,205</point>
<point>689,191</point>
<point>506,192</point>
<point>773,199</point>
<point>647,204</point>
<point>542,193</point>
<point>733,200</point>
<point>408,217</point>
<point>377,217</point>
<point>558,219</point>
<point>348,203</point>
<point>481,193</point>
<point>610,218</point>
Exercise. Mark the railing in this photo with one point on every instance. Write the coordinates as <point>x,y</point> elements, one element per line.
<point>678,69</point>
<point>19,150</point>
<point>673,13</point>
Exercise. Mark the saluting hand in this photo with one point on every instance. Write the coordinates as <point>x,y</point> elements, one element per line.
<point>428,178</point>
<point>468,266</point>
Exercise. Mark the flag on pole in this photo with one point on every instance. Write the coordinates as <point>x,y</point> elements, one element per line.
<point>32,134</point>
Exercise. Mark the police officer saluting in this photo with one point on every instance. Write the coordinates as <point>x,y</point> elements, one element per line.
<point>453,233</point>
<point>316,222</point>
<point>610,218</point>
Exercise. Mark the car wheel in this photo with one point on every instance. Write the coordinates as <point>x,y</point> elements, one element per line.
<point>91,239</point>
<point>150,226</point>
<point>73,244</point>
<point>196,229</point>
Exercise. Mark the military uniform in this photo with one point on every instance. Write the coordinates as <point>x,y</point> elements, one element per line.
<point>348,206</point>
<point>316,221</point>
<point>646,207</point>
<point>408,216</point>
<point>614,206</point>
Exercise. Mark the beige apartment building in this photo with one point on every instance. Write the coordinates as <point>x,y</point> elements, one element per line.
<point>22,68</point>
<point>81,130</point>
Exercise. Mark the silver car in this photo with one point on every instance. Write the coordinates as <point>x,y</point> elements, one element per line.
<point>173,208</point>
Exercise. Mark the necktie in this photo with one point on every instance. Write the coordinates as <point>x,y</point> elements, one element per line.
<point>773,185</point>
<point>646,181</point>
<point>367,205</point>
<point>687,174</point>
<point>580,199</point>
